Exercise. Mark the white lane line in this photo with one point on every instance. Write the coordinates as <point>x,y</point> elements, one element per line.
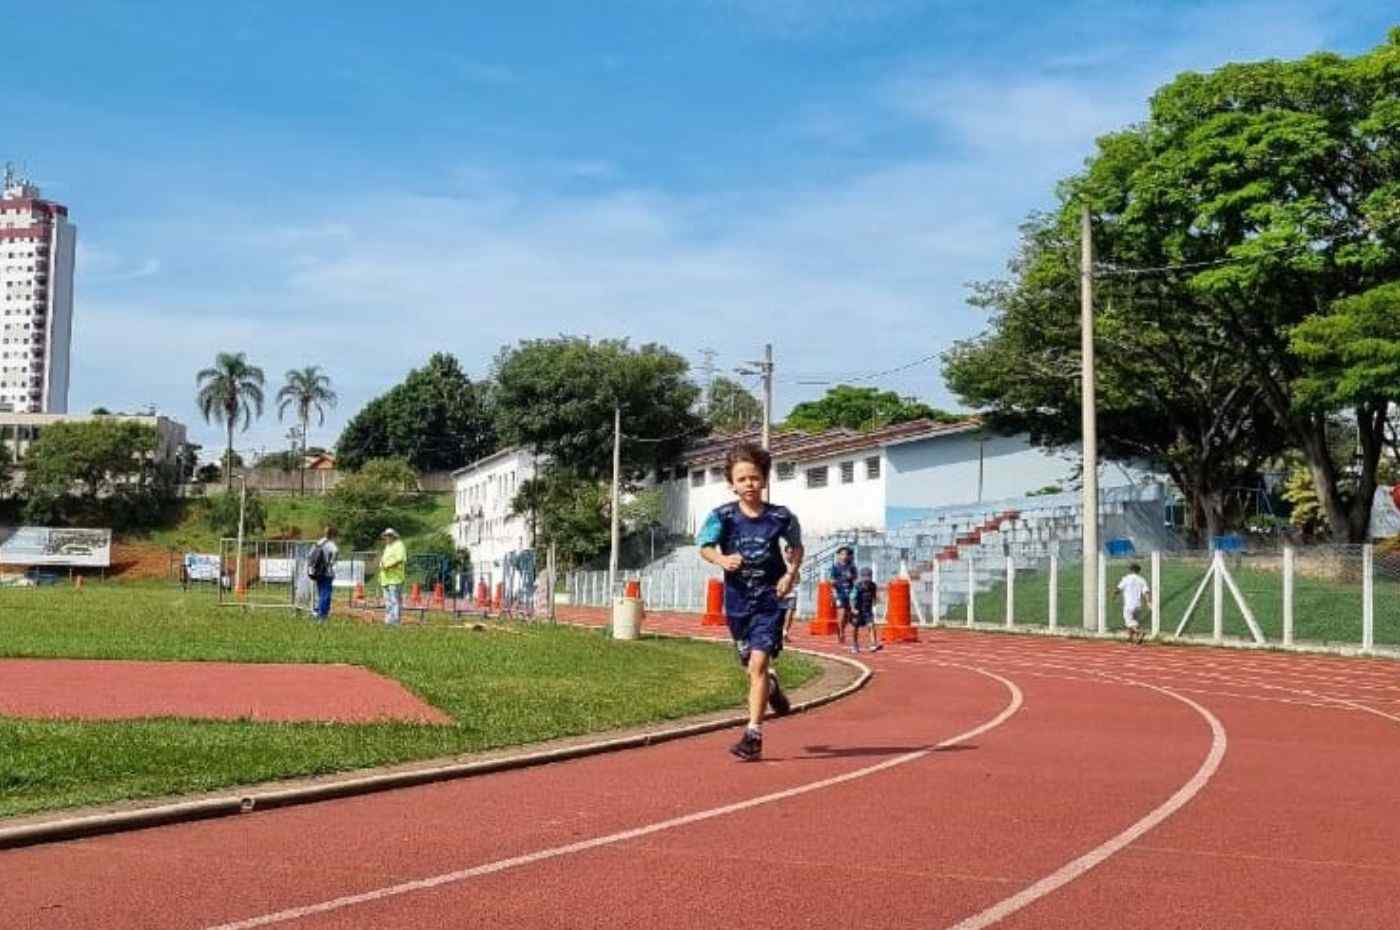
<point>1094,857</point>
<point>501,865</point>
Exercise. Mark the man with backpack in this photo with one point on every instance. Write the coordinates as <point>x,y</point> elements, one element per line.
<point>320,568</point>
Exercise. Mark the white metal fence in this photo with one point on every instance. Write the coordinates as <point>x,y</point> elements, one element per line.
<point>1340,596</point>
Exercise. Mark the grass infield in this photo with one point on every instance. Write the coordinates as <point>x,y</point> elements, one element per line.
<point>502,689</point>
<point>1325,610</point>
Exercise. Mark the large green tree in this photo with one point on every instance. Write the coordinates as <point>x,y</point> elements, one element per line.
<point>1171,391</point>
<point>556,397</point>
<point>861,408</point>
<point>730,408</point>
<point>96,458</point>
<point>1272,190</point>
<point>230,392</point>
<point>436,420</point>
<point>306,391</point>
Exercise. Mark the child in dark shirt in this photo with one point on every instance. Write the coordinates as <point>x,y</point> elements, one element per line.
<point>863,600</point>
<point>745,538</point>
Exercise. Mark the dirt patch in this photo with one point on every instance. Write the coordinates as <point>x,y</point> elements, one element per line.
<point>143,562</point>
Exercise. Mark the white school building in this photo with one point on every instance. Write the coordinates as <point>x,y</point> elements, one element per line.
<point>841,480</point>
<point>836,481</point>
<point>484,523</point>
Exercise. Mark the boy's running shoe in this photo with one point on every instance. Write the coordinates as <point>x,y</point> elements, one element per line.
<point>749,748</point>
<point>877,647</point>
<point>855,649</point>
<point>776,698</point>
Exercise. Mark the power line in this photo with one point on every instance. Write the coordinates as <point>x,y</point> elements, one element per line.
<point>857,379</point>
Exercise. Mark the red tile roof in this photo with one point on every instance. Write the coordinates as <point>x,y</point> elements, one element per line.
<point>797,444</point>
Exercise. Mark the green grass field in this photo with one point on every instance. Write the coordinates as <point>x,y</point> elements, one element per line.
<point>289,516</point>
<point>1325,611</point>
<point>502,688</point>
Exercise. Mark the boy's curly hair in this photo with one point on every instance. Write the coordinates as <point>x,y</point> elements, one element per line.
<point>755,455</point>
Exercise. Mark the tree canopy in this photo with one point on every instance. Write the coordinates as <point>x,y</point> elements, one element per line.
<point>556,396</point>
<point>1171,391</point>
<point>230,392</point>
<point>1273,191</point>
<point>861,408</point>
<point>730,408</point>
<point>436,420</point>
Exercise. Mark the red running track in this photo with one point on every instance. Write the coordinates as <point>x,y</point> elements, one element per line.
<point>100,689</point>
<point>1108,787</point>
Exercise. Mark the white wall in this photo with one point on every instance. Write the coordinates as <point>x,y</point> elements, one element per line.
<point>941,471</point>
<point>483,495</point>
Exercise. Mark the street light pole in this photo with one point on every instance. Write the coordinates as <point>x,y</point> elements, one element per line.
<point>238,556</point>
<point>1088,424</point>
<point>616,494</point>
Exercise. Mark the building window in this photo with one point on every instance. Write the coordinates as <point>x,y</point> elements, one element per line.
<point>816,477</point>
<point>716,473</point>
<point>848,472</point>
<point>872,467</point>
<point>787,471</point>
<point>697,478</point>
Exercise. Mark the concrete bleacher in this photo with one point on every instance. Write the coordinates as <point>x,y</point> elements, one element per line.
<point>969,543</point>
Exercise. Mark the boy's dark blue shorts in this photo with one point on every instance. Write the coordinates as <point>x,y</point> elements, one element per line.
<point>863,619</point>
<point>842,596</point>
<point>761,629</point>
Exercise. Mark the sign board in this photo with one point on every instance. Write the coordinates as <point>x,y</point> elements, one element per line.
<point>201,566</point>
<point>277,569</point>
<point>42,545</point>
<point>349,573</point>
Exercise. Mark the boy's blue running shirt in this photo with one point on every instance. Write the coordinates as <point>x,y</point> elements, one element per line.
<point>759,540</point>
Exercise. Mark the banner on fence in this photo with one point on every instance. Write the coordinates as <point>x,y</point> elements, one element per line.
<point>349,573</point>
<point>278,570</point>
<point>201,567</point>
<point>42,545</point>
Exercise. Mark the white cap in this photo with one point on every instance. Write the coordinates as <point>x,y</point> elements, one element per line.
<point>389,532</point>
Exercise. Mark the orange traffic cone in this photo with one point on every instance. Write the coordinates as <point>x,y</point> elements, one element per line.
<point>898,628</point>
<point>714,603</point>
<point>415,596</point>
<point>439,597</point>
<point>825,623</point>
<point>78,582</point>
<point>500,595</point>
<point>360,591</point>
<point>483,594</point>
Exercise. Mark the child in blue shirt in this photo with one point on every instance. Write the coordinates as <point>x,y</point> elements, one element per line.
<point>745,538</point>
<point>863,600</point>
<point>843,582</point>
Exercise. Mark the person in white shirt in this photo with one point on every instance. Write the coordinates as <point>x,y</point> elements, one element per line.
<point>1134,590</point>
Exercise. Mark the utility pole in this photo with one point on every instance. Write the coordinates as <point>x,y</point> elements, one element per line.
<point>767,392</point>
<point>764,369</point>
<point>616,495</point>
<point>1088,424</point>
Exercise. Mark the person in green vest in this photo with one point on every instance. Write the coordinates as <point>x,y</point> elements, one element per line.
<point>391,575</point>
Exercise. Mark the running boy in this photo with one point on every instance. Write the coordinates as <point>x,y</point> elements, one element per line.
<point>843,582</point>
<point>745,539</point>
<point>863,600</point>
<point>1134,590</point>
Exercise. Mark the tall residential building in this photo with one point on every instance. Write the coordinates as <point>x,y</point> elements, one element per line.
<point>37,250</point>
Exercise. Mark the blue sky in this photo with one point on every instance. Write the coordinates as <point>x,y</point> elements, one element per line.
<point>355,186</point>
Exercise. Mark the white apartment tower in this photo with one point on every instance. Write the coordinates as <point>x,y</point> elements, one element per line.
<point>37,249</point>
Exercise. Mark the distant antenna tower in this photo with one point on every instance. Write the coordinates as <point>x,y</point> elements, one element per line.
<point>708,367</point>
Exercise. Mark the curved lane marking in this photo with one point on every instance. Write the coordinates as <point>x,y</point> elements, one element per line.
<point>502,865</point>
<point>1072,870</point>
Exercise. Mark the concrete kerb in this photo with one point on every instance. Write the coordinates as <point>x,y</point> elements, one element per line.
<point>186,811</point>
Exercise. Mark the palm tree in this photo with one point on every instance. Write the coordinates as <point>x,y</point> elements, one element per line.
<point>228,392</point>
<point>306,390</point>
